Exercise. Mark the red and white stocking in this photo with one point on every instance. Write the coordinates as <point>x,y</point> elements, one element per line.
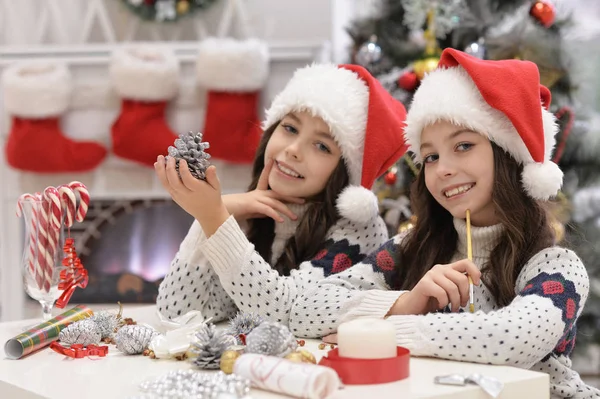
<point>36,94</point>
<point>233,72</point>
<point>146,79</point>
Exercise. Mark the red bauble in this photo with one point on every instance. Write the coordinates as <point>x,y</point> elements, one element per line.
<point>408,81</point>
<point>390,178</point>
<point>543,11</point>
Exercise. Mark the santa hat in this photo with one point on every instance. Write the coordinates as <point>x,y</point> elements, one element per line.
<point>364,119</point>
<point>502,100</point>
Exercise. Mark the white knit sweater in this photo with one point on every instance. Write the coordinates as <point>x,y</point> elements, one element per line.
<point>223,274</point>
<point>535,331</point>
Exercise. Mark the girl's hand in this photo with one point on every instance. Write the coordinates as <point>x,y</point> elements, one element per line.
<point>201,199</point>
<point>442,285</point>
<point>261,202</point>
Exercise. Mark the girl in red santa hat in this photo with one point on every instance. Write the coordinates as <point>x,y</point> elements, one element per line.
<point>484,136</point>
<point>309,211</point>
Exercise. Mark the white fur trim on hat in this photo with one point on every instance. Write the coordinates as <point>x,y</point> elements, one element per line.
<point>451,95</point>
<point>542,180</point>
<point>227,64</point>
<point>358,204</point>
<point>145,73</point>
<point>37,89</point>
<point>336,95</point>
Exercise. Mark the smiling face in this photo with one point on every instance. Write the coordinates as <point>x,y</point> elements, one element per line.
<point>305,155</point>
<point>459,171</point>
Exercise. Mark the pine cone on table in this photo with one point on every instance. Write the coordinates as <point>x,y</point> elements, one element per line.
<point>134,339</point>
<point>190,148</point>
<point>209,344</point>
<point>84,332</point>
<point>271,339</point>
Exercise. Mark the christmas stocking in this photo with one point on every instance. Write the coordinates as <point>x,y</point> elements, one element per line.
<point>35,95</point>
<point>146,79</point>
<point>232,72</point>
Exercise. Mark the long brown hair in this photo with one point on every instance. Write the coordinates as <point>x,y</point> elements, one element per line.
<point>433,240</point>
<point>313,226</point>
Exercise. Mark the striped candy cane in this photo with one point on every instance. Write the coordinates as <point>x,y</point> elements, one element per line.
<point>84,199</point>
<point>69,204</point>
<point>35,268</point>
<point>51,229</point>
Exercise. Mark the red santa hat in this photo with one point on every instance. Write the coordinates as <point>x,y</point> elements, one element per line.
<point>502,100</point>
<point>364,119</point>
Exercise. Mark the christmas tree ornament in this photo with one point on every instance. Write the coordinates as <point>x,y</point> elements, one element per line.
<point>242,324</point>
<point>408,225</point>
<point>301,356</point>
<point>271,339</point>
<point>190,148</point>
<point>134,339</point>
<point>477,49</point>
<point>183,6</point>
<point>84,332</point>
<point>182,384</point>
<point>391,177</point>
<point>448,15</point>
<point>424,66</point>
<point>208,345</point>
<point>294,357</point>
<point>369,53</point>
<point>408,81</point>
<point>228,359</point>
<point>544,12</point>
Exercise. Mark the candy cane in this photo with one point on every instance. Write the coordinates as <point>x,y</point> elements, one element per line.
<point>34,265</point>
<point>84,199</point>
<point>69,203</point>
<point>51,228</point>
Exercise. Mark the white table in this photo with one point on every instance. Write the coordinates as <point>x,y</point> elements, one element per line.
<point>46,374</point>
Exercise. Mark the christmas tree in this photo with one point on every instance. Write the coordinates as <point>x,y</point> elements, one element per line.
<point>402,41</point>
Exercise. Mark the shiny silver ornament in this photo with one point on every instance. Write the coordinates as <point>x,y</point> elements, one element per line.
<point>369,53</point>
<point>134,339</point>
<point>477,49</point>
<point>84,332</point>
<point>271,339</point>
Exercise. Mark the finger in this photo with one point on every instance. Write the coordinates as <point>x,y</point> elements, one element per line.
<point>462,282</point>
<point>440,295</point>
<point>161,173</point>
<point>266,210</point>
<point>286,198</point>
<point>451,289</point>
<point>280,207</point>
<point>187,179</point>
<point>263,180</point>
<point>330,339</point>
<point>212,178</point>
<point>466,266</point>
<point>173,177</point>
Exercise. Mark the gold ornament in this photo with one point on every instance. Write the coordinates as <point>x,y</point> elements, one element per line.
<point>307,357</point>
<point>183,7</point>
<point>559,231</point>
<point>228,359</point>
<point>421,67</point>
<point>295,357</point>
<point>409,224</point>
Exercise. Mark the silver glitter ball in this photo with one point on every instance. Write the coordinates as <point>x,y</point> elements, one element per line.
<point>369,53</point>
<point>477,49</point>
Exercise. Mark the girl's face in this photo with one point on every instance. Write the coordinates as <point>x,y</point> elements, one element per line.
<point>459,171</point>
<point>305,155</point>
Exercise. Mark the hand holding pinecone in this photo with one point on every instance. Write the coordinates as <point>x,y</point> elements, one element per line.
<point>190,148</point>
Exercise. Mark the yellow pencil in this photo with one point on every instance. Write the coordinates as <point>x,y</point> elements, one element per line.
<point>470,256</point>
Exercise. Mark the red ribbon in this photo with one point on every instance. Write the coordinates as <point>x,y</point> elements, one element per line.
<point>78,351</point>
<point>369,371</point>
<point>75,275</point>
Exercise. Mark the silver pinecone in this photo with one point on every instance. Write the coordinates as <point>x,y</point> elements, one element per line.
<point>84,332</point>
<point>134,339</point>
<point>191,148</point>
<point>209,344</point>
<point>271,339</point>
<point>244,323</point>
<point>107,323</point>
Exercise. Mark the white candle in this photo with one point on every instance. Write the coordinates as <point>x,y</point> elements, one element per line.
<point>367,339</point>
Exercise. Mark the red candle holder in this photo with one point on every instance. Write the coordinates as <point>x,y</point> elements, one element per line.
<point>369,371</point>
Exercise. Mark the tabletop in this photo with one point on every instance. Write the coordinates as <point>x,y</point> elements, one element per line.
<point>47,374</point>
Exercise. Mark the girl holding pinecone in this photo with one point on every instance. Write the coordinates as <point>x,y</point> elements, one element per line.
<point>484,135</point>
<point>309,211</point>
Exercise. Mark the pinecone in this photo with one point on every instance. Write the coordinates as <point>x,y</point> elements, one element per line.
<point>84,332</point>
<point>244,323</point>
<point>133,339</point>
<point>191,148</point>
<point>209,344</point>
<point>107,323</point>
<point>271,339</point>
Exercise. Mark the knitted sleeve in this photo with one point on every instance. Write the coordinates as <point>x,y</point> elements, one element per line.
<point>551,292</point>
<point>191,283</point>
<point>361,291</point>
<point>256,287</point>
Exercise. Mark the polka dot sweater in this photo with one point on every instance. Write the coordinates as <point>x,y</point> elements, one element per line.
<point>535,331</point>
<point>223,274</point>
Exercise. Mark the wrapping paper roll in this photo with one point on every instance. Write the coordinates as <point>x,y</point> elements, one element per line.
<point>300,380</point>
<point>43,334</point>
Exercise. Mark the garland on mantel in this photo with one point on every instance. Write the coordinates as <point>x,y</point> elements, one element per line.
<point>166,10</point>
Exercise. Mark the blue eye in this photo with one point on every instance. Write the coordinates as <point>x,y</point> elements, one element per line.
<point>323,147</point>
<point>464,146</point>
<point>291,129</point>
<point>430,158</point>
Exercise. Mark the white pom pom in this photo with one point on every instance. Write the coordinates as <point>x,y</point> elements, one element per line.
<point>542,180</point>
<point>358,204</point>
